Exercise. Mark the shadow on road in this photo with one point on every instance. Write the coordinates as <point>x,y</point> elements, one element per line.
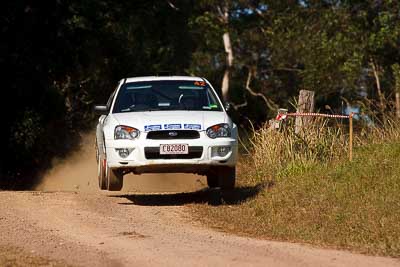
<point>205,196</point>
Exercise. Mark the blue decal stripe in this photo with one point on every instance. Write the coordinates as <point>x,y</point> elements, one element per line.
<point>172,126</point>
<point>192,126</point>
<point>152,127</point>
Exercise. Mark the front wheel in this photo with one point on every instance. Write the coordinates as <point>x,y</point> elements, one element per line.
<point>212,180</point>
<point>223,177</point>
<point>115,179</point>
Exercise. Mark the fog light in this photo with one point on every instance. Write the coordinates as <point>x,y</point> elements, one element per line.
<point>124,152</point>
<point>220,151</point>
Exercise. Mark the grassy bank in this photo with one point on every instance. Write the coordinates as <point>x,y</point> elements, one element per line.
<point>319,198</point>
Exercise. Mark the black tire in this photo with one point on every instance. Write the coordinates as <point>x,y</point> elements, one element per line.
<point>227,178</point>
<point>115,179</point>
<point>97,151</point>
<point>212,180</point>
<point>101,171</point>
<point>223,177</point>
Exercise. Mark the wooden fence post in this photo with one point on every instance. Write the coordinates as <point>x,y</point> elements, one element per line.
<point>305,105</point>
<point>351,136</point>
<point>398,105</point>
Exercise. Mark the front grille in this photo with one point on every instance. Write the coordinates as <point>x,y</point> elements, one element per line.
<point>173,134</point>
<point>195,152</point>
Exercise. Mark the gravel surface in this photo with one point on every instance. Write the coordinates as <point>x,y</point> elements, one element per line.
<point>94,229</point>
<point>69,222</point>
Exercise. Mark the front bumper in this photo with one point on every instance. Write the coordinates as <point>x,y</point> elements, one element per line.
<point>137,162</point>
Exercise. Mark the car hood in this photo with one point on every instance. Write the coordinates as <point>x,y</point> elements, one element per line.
<point>166,120</point>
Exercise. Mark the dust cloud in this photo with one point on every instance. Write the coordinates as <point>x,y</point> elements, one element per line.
<point>78,173</point>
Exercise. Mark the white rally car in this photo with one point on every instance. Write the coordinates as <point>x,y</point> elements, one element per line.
<point>173,124</point>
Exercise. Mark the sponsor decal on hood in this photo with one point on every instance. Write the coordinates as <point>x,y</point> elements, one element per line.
<point>192,126</point>
<point>174,126</point>
<point>152,127</point>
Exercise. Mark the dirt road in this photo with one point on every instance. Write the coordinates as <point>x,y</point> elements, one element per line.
<point>69,222</point>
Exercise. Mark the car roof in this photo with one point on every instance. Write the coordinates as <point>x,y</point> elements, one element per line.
<point>163,78</point>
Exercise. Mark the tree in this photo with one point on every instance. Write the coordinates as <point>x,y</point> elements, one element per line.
<point>64,56</point>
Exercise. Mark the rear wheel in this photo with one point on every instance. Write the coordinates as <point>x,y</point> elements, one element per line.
<point>115,179</point>
<point>223,177</point>
<point>101,168</point>
<point>101,171</point>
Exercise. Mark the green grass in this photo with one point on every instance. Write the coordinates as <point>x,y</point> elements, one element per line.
<point>335,203</point>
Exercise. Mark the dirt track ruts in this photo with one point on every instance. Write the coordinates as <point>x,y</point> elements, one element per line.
<point>110,230</point>
<point>93,228</point>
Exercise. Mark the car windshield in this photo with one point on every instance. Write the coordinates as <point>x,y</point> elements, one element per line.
<point>166,95</point>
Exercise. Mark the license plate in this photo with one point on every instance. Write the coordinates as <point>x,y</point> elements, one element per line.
<point>174,149</point>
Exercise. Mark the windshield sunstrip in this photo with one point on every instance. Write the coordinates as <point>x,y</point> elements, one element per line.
<point>166,95</point>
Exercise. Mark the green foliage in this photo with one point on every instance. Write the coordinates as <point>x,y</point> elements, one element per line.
<point>64,56</point>
<point>26,132</point>
<point>396,75</point>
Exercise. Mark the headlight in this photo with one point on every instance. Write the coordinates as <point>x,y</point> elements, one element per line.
<point>219,130</point>
<point>125,132</point>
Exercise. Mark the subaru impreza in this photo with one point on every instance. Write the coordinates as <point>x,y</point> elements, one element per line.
<point>171,124</point>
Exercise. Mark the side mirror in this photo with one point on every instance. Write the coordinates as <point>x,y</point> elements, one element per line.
<point>228,106</point>
<point>101,109</point>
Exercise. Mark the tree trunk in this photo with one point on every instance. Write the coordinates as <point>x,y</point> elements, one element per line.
<point>378,86</point>
<point>224,18</point>
<point>305,105</point>
<point>229,61</point>
<point>396,74</point>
